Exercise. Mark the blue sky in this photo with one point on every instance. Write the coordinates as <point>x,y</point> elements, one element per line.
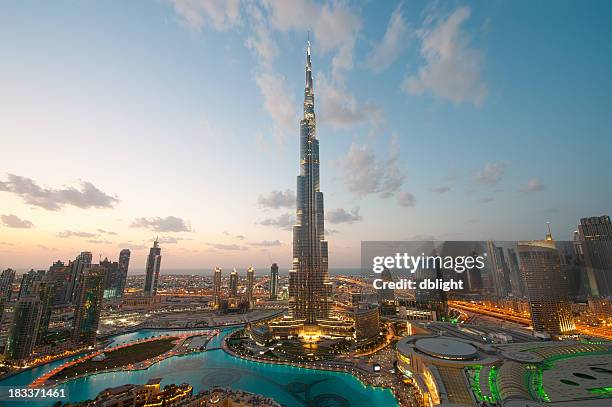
<point>451,120</point>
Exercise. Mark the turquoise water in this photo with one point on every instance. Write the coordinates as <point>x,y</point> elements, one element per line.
<point>290,386</point>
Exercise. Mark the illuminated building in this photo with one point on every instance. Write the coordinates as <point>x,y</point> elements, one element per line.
<point>217,286</point>
<point>249,287</point>
<point>112,279</point>
<point>147,395</point>
<point>274,282</point>
<point>77,266</point>
<point>6,283</point>
<point>124,264</point>
<point>47,295</point>
<point>546,286</point>
<point>499,270</point>
<point>152,270</point>
<point>309,286</point>
<point>233,283</point>
<point>367,323</point>
<point>30,283</point>
<point>22,335</point>
<point>595,234</point>
<point>88,305</point>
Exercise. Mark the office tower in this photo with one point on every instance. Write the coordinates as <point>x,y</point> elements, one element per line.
<point>250,281</point>
<point>516,279</point>
<point>47,296</point>
<point>274,282</point>
<point>113,278</point>
<point>89,305</point>
<point>367,322</point>
<point>596,236</point>
<point>153,264</point>
<point>22,335</point>
<point>309,286</point>
<point>546,287</point>
<point>77,266</point>
<point>217,286</point>
<point>499,270</point>
<point>6,283</point>
<point>432,300</point>
<point>30,283</point>
<point>60,277</point>
<point>233,283</point>
<point>124,264</point>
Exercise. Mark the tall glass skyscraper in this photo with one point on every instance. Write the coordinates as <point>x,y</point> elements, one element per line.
<point>153,265</point>
<point>309,286</point>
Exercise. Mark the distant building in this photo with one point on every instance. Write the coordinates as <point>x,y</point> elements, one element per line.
<point>22,334</point>
<point>546,287</point>
<point>499,270</point>
<point>89,305</point>
<point>233,283</point>
<point>30,283</point>
<point>6,283</point>
<point>153,265</point>
<point>217,286</point>
<point>596,236</point>
<point>367,323</point>
<point>250,285</point>
<point>124,264</point>
<point>274,282</point>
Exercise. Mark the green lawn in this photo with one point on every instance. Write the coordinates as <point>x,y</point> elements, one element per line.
<point>120,357</point>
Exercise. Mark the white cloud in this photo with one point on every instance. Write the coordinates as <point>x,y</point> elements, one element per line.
<point>70,233</point>
<point>54,199</point>
<point>284,221</point>
<point>167,224</point>
<point>221,15</point>
<point>393,43</point>
<point>366,174</point>
<point>534,185</point>
<point>492,173</point>
<point>279,103</point>
<point>13,221</point>
<point>452,68</point>
<point>405,198</point>
<point>340,215</point>
<point>266,243</point>
<point>277,199</point>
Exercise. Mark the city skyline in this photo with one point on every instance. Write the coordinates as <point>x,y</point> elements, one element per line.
<point>151,146</point>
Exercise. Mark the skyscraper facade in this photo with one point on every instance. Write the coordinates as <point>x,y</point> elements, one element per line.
<point>250,283</point>
<point>233,283</point>
<point>6,283</point>
<point>546,287</point>
<point>82,261</point>
<point>89,305</point>
<point>217,286</point>
<point>596,236</point>
<point>124,264</point>
<point>153,265</point>
<point>309,286</point>
<point>274,281</point>
<point>499,270</point>
<point>22,335</point>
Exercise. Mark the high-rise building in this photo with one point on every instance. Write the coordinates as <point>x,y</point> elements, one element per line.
<point>274,282</point>
<point>23,332</point>
<point>233,283</point>
<point>30,283</point>
<point>77,266</point>
<point>124,264</point>
<point>546,286</point>
<point>217,286</point>
<point>499,270</point>
<point>113,278</point>
<point>89,305</point>
<point>6,283</point>
<point>596,237</point>
<point>309,286</point>
<point>153,264</point>
<point>250,283</point>
<point>516,279</point>
<point>47,296</point>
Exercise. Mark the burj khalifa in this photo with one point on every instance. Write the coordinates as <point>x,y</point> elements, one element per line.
<point>309,286</point>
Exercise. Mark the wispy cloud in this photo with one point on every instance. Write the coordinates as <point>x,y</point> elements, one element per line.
<point>158,224</point>
<point>533,185</point>
<point>340,215</point>
<point>131,246</point>
<point>13,221</point>
<point>266,243</point>
<point>284,221</point>
<point>277,199</point>
<point>53,199</point>
<point>393,43</point>
<point>227,247</point>
<point>452,68</point>
<point>492,173</point>
<point>440,190</point>
<point>221,15</point>
<point>71,233</point>
<point>406,199</point>
<point>107,232</point>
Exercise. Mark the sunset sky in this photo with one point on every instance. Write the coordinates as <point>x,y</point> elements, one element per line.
<point>125,120</point>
